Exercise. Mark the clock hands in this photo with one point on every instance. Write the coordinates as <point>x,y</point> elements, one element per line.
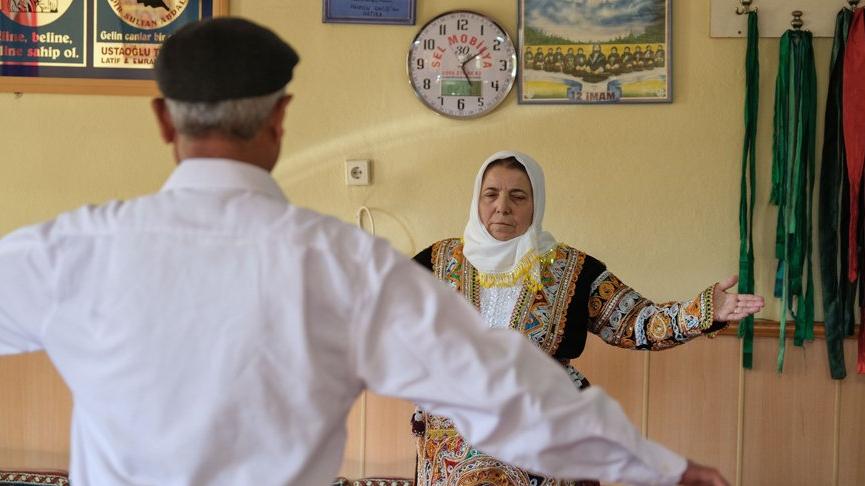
<point>463,67</point>
<point>469,81</point>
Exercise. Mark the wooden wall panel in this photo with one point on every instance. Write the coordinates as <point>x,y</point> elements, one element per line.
<point>789,432</point>
<point>390,445</point>
<point>692,401</point>
<point>851,452</point>
<point>789,418</point>
<point>35,413</point>
<point>352,459</point>
<point>380,442</point>
<point>618,371</point>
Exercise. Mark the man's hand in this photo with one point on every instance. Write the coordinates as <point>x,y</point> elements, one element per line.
<point>697,475</point>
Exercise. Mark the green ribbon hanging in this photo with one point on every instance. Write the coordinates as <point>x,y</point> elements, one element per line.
<point>834,211</point>
<point>793,170</point>
<point>748,179</point>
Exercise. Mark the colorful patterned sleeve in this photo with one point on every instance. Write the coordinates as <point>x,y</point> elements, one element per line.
<point>624,318</point>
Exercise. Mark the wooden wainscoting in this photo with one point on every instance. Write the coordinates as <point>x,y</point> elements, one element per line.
<point>758,427</point>
<point>850,422</point>
<point>35,411</point>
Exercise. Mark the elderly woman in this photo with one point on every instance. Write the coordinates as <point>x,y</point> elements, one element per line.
<point>521,278</point>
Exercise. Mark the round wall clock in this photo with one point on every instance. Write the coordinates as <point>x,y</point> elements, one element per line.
<point>462,64</point>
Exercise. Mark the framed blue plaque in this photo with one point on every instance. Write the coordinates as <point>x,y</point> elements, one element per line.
<point>399,12</point>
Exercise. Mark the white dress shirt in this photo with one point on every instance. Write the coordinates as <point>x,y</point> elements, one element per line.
<point>212,333</point>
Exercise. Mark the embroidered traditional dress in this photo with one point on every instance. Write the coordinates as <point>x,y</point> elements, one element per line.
<point>577,295</point>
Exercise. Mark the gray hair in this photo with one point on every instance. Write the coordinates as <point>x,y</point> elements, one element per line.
<point>241,117</point>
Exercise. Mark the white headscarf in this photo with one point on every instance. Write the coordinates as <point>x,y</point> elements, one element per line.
<point>504,263</point>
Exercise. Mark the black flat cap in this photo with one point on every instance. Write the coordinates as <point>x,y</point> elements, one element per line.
<point>223,58</point>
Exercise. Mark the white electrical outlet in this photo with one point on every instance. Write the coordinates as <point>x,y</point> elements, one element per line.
<point>357,172</point>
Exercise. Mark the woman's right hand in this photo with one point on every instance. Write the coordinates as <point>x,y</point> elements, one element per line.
<point>733,307</point>
<point>699,475</point>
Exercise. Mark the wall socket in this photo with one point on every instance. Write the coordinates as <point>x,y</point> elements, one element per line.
<point>358,172</point>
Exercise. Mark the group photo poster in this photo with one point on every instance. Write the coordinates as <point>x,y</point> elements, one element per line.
<point>615,51</point>
<point>67,40</point>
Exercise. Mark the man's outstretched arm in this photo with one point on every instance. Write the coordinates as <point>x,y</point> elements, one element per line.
<point>26,294</point>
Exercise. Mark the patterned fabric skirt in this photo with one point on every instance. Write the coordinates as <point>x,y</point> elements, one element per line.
<point>446,459</point>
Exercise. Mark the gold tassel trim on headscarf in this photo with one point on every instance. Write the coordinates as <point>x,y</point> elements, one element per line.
<point>522,270</point>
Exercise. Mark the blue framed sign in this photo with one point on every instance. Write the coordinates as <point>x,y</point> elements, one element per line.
<point>616,51</point>
<point>399,12</point>
<point>71,41</point>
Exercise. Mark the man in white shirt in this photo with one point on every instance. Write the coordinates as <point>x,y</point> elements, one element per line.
<point>212,333</point>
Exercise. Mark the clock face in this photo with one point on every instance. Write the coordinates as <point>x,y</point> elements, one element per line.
<point>462,64</point>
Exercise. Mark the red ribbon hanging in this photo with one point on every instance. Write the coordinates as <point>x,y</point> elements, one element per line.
<point>854,140</point>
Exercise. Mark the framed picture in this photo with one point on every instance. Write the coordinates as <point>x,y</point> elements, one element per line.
<point>615,51</point>
<point>401,12</point>
<point>89,46</point>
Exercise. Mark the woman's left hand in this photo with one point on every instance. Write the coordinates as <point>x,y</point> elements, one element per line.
<point>732,307</point>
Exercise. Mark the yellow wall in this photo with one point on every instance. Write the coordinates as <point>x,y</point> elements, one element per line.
<point>650,189</point>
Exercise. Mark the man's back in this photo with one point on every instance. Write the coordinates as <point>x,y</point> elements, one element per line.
<point>183,326</point>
